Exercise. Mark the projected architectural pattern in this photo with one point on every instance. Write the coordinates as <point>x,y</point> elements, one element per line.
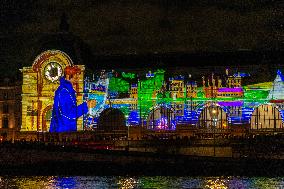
<point>156,103</point>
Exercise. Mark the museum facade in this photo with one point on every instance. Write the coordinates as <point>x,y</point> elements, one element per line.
<point>126,101</point>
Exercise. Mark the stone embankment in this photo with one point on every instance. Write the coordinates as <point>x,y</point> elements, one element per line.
<point>160,157</point>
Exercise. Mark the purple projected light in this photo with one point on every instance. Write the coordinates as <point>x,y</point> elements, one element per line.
<point>231,103</point>
<point>232,90</point>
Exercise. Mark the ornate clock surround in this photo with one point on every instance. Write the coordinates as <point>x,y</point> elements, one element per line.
<point>49,56</point>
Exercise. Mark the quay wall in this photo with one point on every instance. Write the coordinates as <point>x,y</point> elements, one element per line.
<point>56,160</point>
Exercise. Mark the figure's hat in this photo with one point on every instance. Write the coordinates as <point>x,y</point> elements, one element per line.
<point>72,70</point>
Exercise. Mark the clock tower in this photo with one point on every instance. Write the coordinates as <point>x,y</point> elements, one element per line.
<point>39,84</point>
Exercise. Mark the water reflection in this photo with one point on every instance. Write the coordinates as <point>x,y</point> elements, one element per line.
<point>127,183</point>
<point>216,183</point>
<point>48,182</point>
<point>65,182</point>
<point>32,182</point>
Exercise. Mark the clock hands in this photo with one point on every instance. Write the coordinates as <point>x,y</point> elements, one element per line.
<point>53,71</point>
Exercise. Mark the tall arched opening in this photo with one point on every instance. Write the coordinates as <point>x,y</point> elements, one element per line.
<point>213,116</point>
<point>266,116</point>
<point>46,118</point>
<point>161,118</point>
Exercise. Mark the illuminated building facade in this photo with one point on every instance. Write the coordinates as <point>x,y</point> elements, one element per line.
<point>133,91</point>
<point>162,104</point>
<point>39,84</point>
<point>177,87</point>
<point>152,102</point>
<point>191,89</point>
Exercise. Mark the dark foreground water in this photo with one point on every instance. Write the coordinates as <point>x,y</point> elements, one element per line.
<point>47,182</point>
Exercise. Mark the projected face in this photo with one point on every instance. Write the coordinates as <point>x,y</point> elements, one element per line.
<point>53,71</point>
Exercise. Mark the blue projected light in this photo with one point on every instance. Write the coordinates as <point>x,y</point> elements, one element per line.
<point>190,117</point>
<point>133,118</point>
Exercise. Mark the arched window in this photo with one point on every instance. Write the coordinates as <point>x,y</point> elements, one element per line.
<point>161,118</point>
<point>266,117</point>
<point>213,117</point>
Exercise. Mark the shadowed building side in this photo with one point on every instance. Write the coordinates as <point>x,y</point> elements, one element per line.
<point>10,109</point>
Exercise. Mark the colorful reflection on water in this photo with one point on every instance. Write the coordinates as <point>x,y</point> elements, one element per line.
<point>49,182</point>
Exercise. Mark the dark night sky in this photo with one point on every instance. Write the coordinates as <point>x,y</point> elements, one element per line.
<point>112,27</point>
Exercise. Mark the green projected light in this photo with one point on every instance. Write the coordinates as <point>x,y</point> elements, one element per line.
<point>118,85</point>
<point>128,75</point>
<point>148,90</point>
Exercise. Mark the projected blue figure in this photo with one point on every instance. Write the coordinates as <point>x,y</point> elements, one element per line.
<point>65,110</point>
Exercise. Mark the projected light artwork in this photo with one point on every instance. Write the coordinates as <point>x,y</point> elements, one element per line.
<point>154,100</point>
<point>158,103</point>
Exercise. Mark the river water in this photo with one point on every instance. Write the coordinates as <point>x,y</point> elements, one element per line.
<point>47,182</point>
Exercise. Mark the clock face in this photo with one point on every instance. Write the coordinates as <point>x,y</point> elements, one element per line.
<point>53,71</point>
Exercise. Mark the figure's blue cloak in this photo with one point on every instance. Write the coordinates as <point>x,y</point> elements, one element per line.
<point>65,110</point>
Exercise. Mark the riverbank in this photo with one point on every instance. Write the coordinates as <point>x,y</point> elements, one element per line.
<point>40,159</point>
<point>192,167</point>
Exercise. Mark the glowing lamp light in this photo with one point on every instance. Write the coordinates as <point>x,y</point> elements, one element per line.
<point>162,123</point>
